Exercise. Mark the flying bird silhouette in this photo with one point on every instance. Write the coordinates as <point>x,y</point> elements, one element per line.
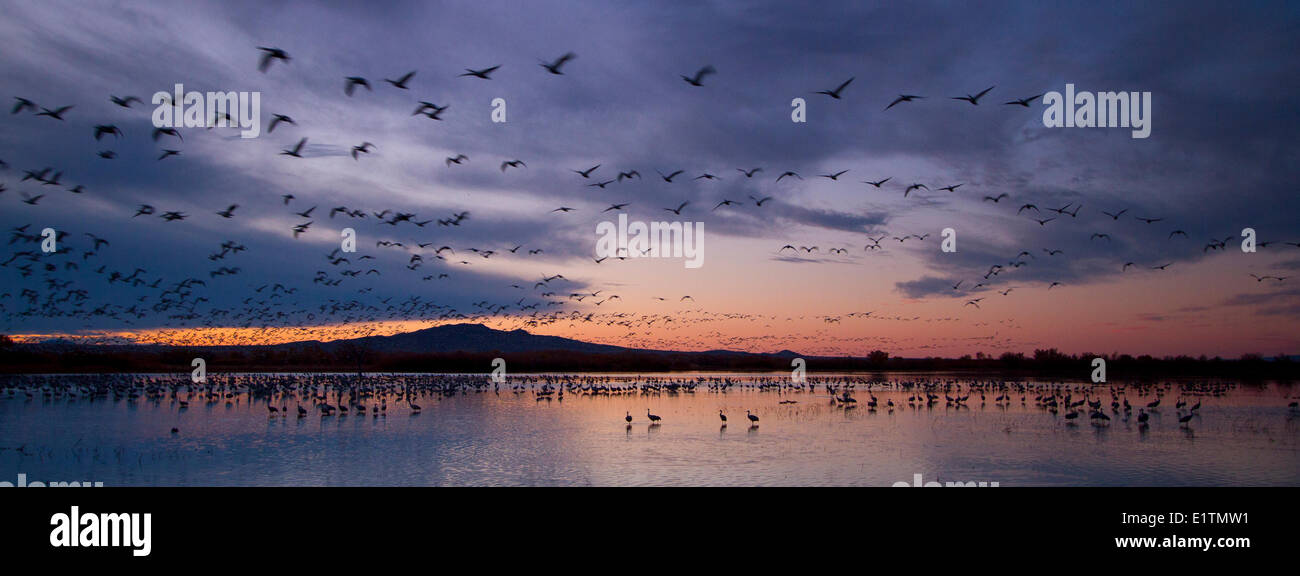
<point>276,120</point>
<point>836,92</point>
<point>554,67</point>
<point>1023,101</point>
<point>485,73</point>
<point>296,151</point>
<point>401,82</point>
<point>904,98</point>
<point>270,55</point>
<point>698,78</point>
<point>351,82</point>
<point>974,100</point>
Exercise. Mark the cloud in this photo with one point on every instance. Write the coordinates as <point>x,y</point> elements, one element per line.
<point>1219,159</point>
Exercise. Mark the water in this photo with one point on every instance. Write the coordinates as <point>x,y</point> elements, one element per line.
<point>1243,435</point>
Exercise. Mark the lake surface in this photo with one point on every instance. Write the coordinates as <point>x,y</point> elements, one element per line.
<point>78,428</point>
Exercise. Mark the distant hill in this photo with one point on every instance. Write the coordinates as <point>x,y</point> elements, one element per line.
<point>474,338</point>
<point>471,348</point>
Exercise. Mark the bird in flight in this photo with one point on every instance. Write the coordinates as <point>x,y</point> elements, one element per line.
<point>159,132</point>
<point>457,159</point>
<point>996,199</point>
<point>1149,220</point>
<point>904,98</point>
<point>513,164</point>
<point>789,173</point>
<point>269,55</point>
<point>23,104</point>
<point>554,67</point>
<point>952,188</point>
<point>363,148</point>
<point>698,78</point>
<point>1257,278</point>
<point>974,100</point>
<point>836,92</point>
<point>351,82</point>
<point>1116,215</point>
<point>56,113</point>
<point>102,129</point>
<point>125,102</point>
<point>749,173</point>
<point>1023,101</point>
<point>678,209</point>
<point>401,82</point>
<point>485,73</point>
<point>669,178</point>
<point>276,120</point>
<point>296,151</point>
<point>878,183</point>
<point>835,176</point>
<point>433,111</point>
<point>587,173</point>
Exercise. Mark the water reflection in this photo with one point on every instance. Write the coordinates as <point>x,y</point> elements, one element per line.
<point>404,433</point>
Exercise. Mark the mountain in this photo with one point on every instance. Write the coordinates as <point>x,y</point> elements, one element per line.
<point>462,338</point>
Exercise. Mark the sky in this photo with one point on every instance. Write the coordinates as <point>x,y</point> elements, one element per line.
<point>1219,158</point>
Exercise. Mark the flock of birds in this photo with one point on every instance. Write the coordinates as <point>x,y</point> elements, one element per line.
<point>56,286</point>
<point>328,395</point>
